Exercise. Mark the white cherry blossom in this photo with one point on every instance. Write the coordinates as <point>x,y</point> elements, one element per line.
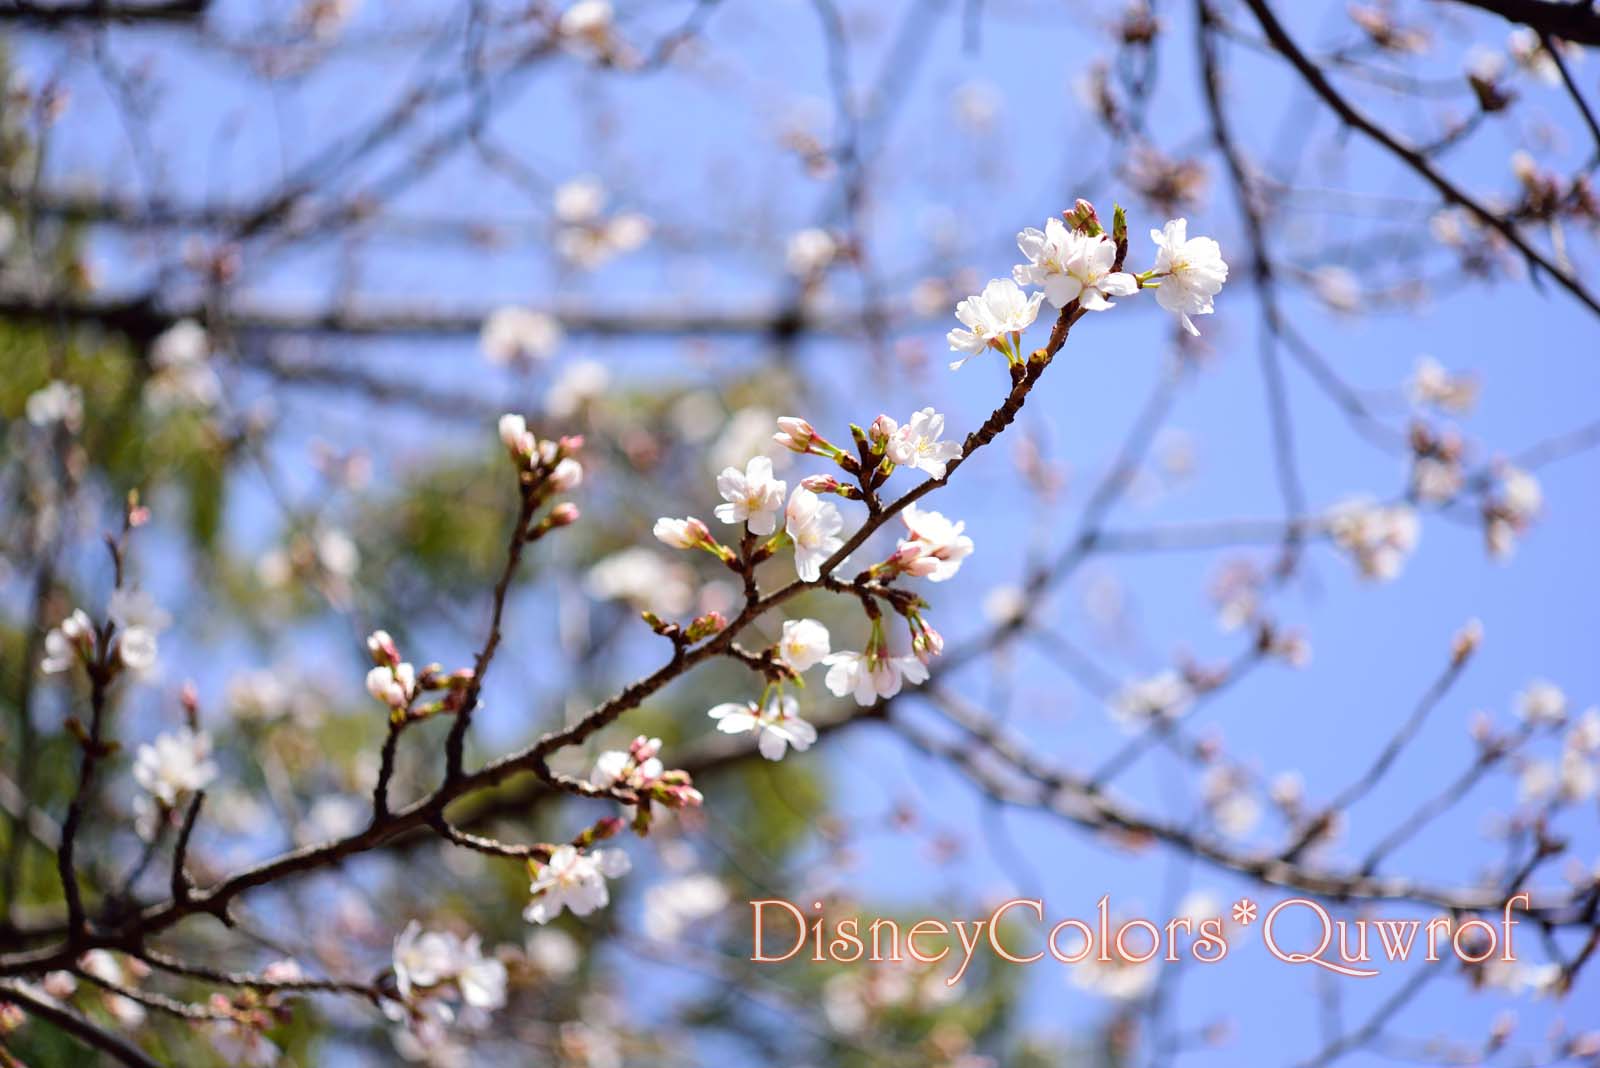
<point>804,643</point>
<point>1001,309</point>
<point>753,496</point>
<point>814,526</point>
<point>1191,270</point>
<point>1071,265</point>
<point>871,675</point>
<point>66,641</point>
<point>175,764</point>
<point>938,539</point>
<point>519,335</point>
<point>776,726</point>
<point>916,444</point>
<point>574,880</point>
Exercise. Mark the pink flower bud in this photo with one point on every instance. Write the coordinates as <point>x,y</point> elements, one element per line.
<point>564,514</point>
<point>820,483</point>
<point>882,429</point>
<point>382,648</point>
<point>795,434</point>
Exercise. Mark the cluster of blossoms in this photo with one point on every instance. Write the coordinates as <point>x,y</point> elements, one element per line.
<point>136,622</point>
<point>585,236</point>
<point>573,879</point>
<point>1075,264</point>
<point>397,684</point>
<point>638,771</point>
<point>443,982</point>
<point>754,498</point>
<point>1378,537</point>
<point>1573,776</point>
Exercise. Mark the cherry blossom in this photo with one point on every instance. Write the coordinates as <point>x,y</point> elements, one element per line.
<point>671,906</point>
<point>519,335</point>
<point>67,643</point>
<point>916,444</point>
<point>813,524</point>
<point>1191,271</point>
<point>175,764</point>
<point>140,619</point>
<point>777,725</point>
<point>1378,537</point>
<point>804,643</point>
<point>753,496</point>
<point>1072,266</point>
<point>58,402</point>
<point>575,881</point>
<point>938,539</point>
<point>1164,696</point>
<point>1542,702</point>
<point>810,251</point>
<point>1000,310</point>
<point>871,675</point>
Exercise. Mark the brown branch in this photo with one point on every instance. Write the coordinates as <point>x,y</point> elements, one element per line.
<point>1571,21</point>
<point>85,1031</point>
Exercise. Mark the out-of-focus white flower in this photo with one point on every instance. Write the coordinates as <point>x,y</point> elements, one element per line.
<point>553,952</point>
<point>329,819</point>
<point>58,402</point>
<point>644,579</point>
<point>519,335</point>
<point>1000,310</point>
<point>337,552</point>
<point>1072,266</point>
<point>175,764</point>
<point>183,376</point>
<point>1520,495</point>
<point>1432,385</point>
<point>871,675</point>
<point>671,906</point>
<point>813,524</point>
<point>136,608</point>
<point>977,105</point>
<point>574,880</point>
<point>810,251</point>
<point>581,200</point>
<point>938,539</point>
<point>1003,604</point>
<point>1118,979</point>
<point>578,386</point>
<point>1228,799</point>
<point>777,726</point>
<point>1542,702</point>
<point>1337,287</point>
<point>916,444</point>
<point>1163,696</point>
<point>804,643</point>
<point>753,496</point>
<point>588,20</point>
<point>1378,537</point>
<point>1191,270</point>
<point>424,960</point>
<point>1436,480</point>
<point>747,433</point>
<point>67,642</point>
